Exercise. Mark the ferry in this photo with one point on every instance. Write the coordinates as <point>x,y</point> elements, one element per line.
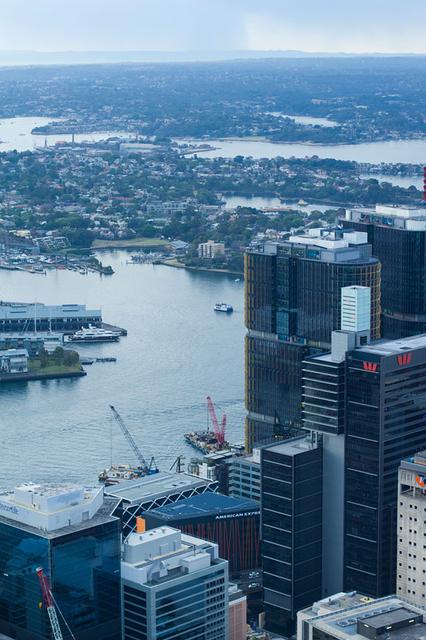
<point>94,334</point>
<point>223,307</point>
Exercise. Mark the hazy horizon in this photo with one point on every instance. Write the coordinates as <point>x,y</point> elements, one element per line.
<point>393,27</point>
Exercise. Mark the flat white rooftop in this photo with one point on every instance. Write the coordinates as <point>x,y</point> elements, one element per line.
<point>51,506</point>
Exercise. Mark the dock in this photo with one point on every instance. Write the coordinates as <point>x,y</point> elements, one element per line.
<point>111,327</point>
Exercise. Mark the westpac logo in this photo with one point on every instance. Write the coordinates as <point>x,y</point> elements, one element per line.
<point>370,366</point>
<point>404,359</point>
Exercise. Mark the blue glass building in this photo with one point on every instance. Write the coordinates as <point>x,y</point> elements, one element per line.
<point>81,560</point>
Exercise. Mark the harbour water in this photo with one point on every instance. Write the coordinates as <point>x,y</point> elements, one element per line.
<point>178,350</point>
<point>410,151</point>
<point>15,133</point>
<point>263,203</point>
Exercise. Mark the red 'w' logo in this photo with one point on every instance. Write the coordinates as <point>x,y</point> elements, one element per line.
<point>404,358</point>
<point>370,366</point>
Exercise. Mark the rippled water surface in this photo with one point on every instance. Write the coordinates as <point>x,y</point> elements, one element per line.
<point>177,351</point>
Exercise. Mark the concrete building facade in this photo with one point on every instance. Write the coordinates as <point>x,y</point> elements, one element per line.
<point>173,587</point>
<point>411,559</point>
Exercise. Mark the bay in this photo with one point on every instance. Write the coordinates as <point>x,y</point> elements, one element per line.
<point>394,151</point>
<point>15,134</point>
<point>178,350</point>
<point>259,202</point>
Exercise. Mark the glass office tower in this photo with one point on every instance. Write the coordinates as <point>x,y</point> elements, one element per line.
<point>398,239</point>
<point>291,508</point>
<point>292,304</point>
<point>385,422</point>
<point>81,560</point>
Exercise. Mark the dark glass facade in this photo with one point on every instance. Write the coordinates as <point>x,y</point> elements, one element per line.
<point>292,304</point>
<point>323,395</point>
<point>273,377</point>
<point>385,422</point>
<point>319,285</point>
<point>402,254</point>
<point>291,530</point>
<point>84,572</point>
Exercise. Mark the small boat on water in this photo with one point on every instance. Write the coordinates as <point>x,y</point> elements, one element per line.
<point>94,334</point>
<point>223,307</point>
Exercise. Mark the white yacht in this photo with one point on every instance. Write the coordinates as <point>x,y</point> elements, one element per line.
<point>94,334</point>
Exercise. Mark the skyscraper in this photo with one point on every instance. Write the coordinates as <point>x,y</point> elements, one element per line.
<point>174,587</point>
<point>291,529</point>
<point>70,533</point>
<point>398,239</point>
<point>292,304</point>
<point>385,413</point>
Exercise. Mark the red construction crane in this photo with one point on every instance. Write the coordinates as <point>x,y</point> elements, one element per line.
<point>219,430</point>
<point>49,604</point>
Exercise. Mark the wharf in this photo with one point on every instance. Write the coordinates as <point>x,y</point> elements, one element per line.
<point>111,327</point>
<point>29,376</point>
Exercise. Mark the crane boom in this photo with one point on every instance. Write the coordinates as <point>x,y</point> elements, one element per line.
<point>129,438</point>
<point>48,601</point>
<point>219,431</point>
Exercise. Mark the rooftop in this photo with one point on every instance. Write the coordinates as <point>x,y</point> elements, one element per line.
<point>393,347</point>
<point>206,504</point>
<point>400,620</point>
<point>53,509</point>
<point>163,554</point>
<point>155,486</point>
<point>17,311</point>
<point>294,446</point>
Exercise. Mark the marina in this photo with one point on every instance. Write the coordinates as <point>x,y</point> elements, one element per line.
<point>63,426</point>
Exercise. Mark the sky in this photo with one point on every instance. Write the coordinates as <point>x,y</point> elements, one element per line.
<point>352,26</point>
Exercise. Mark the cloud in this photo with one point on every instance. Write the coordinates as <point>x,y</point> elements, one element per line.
<point>182,25</point>
<point>338,25</point>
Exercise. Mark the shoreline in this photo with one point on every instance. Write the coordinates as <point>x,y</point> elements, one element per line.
<point>291,142</point>
<point>29,376</point>
<point>179,265</point>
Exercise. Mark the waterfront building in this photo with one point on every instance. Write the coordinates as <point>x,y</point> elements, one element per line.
<point>291,529</point>
<point>69,532</point>
<point>411,558</point>
<point>352,616</point>
<point>215,467</point>
<point>233,523</point>
<point>173,587</point>
<point>17,317</point>
<point>33,343</point>
<point>211,249</point>
<point>244,476</point>
<point>135,497</point>
<point>398,237</point>
<point>292,304</point>
<point>237,613</point>
<point>13,361</point>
